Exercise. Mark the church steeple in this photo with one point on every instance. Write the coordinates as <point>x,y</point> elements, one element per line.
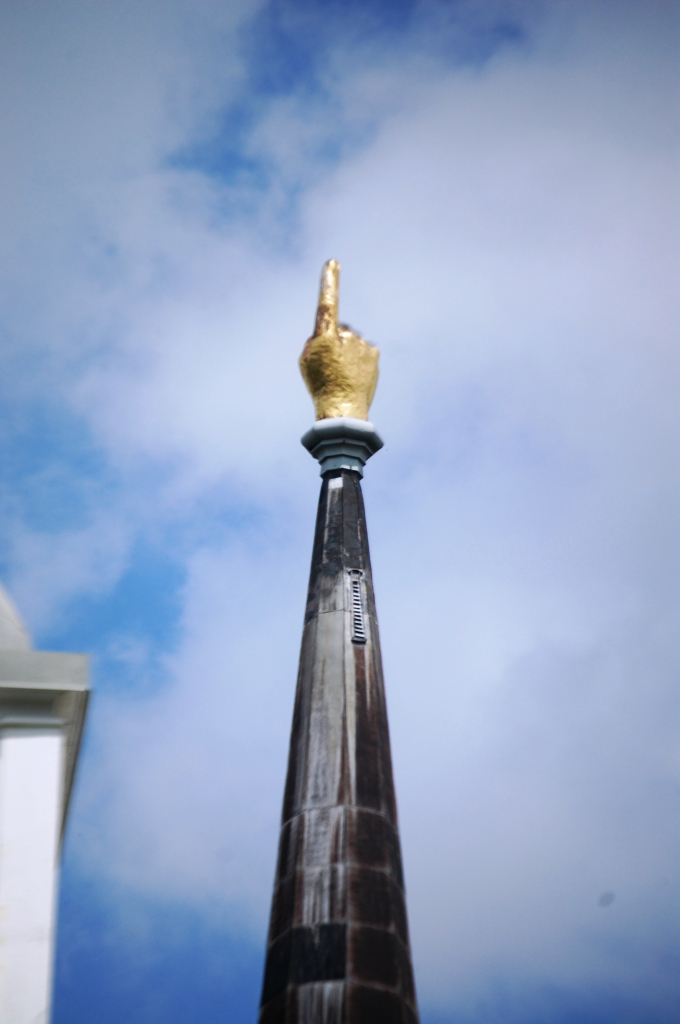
<point>338,947</point>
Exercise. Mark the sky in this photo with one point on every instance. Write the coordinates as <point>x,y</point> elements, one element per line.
<point>499,181</point>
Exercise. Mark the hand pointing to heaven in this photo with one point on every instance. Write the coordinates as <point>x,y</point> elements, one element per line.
<point>339,367</point>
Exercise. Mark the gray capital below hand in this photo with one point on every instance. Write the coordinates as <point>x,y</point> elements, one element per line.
<point>342,442</point>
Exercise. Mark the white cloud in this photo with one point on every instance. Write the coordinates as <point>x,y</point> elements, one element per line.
<point>507,240</point>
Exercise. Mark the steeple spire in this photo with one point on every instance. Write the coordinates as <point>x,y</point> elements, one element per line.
<point>338,947</point>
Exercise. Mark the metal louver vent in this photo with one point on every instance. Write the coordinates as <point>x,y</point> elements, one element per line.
<point>357,609</point>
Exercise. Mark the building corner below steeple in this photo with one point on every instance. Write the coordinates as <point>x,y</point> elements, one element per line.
<point>43,699</point>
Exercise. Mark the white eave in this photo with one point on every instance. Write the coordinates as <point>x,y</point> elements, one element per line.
<point>42,690</point>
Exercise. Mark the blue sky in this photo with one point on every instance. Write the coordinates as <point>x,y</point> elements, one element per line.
<point>499,183</point>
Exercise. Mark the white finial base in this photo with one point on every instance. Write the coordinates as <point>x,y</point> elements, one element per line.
<point>342,442</point>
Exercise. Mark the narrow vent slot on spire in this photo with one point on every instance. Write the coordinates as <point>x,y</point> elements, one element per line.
<point>357,608</point>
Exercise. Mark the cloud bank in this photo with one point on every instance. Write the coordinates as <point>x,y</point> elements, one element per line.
<point>499,184</point>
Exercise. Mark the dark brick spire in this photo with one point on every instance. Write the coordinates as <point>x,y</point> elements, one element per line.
<point>338,948</point>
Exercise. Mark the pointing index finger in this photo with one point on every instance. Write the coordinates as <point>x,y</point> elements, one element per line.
<point>327,310</point>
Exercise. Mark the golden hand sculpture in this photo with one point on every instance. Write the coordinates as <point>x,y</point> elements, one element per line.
<point>339,368</point>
